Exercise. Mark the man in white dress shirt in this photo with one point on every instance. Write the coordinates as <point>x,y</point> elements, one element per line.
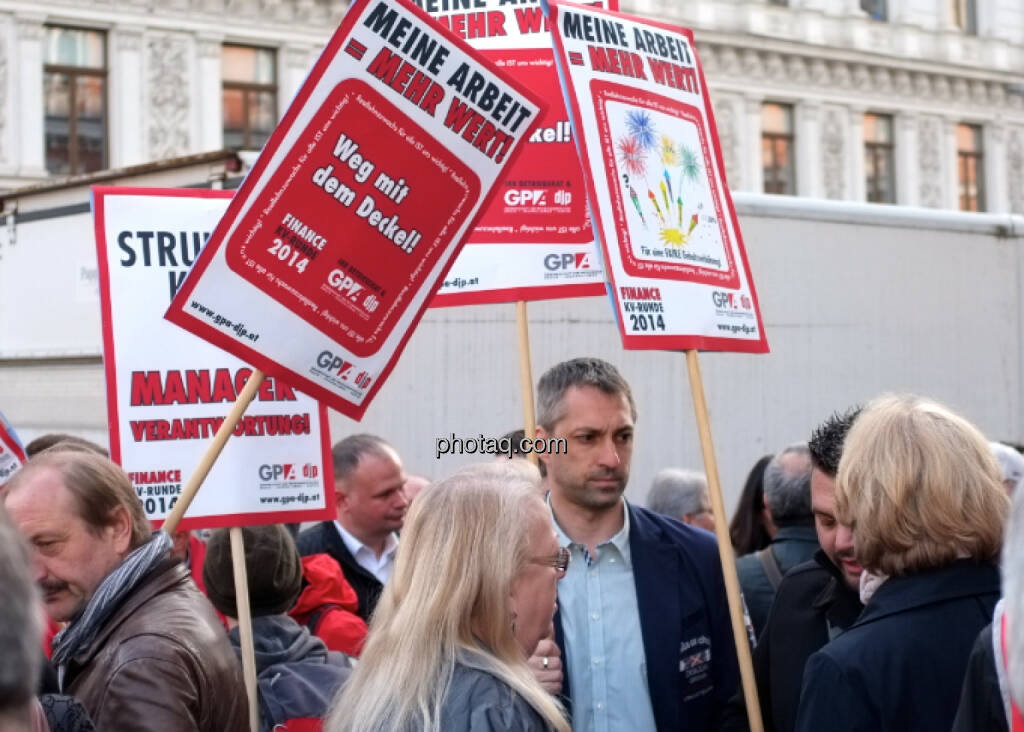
<point>369,484</point>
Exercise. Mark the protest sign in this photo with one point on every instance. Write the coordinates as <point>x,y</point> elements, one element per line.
<point>12,454</point>
<point>168,391</point>
<point>535,240</point>
<point>334,244</point>
<point>647,142</point>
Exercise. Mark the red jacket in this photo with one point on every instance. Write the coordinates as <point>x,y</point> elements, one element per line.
<point>328,604</point>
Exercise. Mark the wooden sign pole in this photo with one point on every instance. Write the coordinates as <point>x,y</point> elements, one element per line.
<point>245,625</point>
<point>209,457</point>
<point>732,583</point>
<point>526,375</point>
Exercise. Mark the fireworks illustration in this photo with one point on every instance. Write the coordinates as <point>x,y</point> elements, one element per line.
<point>689,164</point>
<point>636,201</point>
<point>636,153</point>
<point>641,128</point>
<point>657,208</point>
<point>632,156</point>
<point>668,151</point>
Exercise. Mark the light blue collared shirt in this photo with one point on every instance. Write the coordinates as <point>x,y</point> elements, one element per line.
<point>604,647</point>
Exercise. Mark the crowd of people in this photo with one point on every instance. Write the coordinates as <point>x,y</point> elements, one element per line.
<point>515,597</point>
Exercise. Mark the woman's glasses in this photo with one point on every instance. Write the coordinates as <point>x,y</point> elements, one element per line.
<point>559,561</point>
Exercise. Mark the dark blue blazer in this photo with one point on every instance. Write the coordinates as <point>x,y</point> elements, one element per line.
<point>684,618</point>
<point>900,667</point>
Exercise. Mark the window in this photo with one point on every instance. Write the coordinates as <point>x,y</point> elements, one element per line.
<point>965,16</point>
<point>876,9</point>
<point>75,100</point>
<point>878,158</point>
<point>777,148</point>
<point>250,96</point>
<point>970,168</point>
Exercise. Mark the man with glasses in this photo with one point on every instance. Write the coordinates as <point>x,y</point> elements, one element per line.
<point>643,620</point>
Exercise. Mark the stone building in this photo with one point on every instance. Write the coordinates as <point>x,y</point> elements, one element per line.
<point>916,102</point>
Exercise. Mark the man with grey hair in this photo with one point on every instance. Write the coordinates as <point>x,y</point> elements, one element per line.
<point>369,490</point>
<point>20,632</point>
<point>643,621</point>
<point>787,495</point>
<point>682,495</point>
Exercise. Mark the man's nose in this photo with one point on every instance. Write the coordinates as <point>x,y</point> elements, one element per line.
<point>39,567</point>
<point>609,456</point>
<point>844,538</point>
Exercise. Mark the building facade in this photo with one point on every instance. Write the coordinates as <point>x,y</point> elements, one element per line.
<point>92,84</point>
<point>914,102</point>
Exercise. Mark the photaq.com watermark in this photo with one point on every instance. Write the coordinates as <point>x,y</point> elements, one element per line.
<point>506,446</point>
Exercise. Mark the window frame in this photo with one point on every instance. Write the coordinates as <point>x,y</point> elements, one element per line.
<point>874,150</point>
<point>73,72</point>
<point>774,139</point>
<point>962,158</point>
<point>249,88</point>
<point>965,16</point>
<point>876,9</point>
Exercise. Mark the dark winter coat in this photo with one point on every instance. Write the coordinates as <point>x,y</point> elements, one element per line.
<point>900,667</point>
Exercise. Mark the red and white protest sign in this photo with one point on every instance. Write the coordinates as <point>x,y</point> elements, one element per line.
<point>169,391</point>
<point>535,240</point>
<point>12,454</point>
<point>647,141</point>
<point>339,236</point>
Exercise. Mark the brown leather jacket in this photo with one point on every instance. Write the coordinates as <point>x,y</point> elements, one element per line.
<point>162,662</point>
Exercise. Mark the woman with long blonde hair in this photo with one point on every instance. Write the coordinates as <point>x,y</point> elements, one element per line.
<point>472,593</point>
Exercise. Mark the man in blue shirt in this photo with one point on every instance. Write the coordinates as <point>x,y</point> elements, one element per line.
<point>643,620</point>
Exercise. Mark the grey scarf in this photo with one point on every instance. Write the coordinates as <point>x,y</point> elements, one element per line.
<point>115,586</point>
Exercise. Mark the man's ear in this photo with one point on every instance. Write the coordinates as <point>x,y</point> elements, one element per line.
<point>543,434</point>
<point>340,499</point>
<point>120,529</point>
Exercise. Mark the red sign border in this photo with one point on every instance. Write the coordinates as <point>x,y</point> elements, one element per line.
<point>665,342</point>
<point>328,512</point>
<point>176,312</point>
<point>730,279</point>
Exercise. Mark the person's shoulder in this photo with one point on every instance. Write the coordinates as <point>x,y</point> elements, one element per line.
<point>476,683</point>
<point>651,526</point>
<point>176,622</point>
<point>808,576</point>
<point>748,562</point>
<point>479,700</point>
<point>314,539</point>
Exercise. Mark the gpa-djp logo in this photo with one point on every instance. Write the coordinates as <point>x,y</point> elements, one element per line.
<point>281,472</point>
<point>730,300</point>
<point>278,472</point>
<point>342,369</point>
<point>564,261</point>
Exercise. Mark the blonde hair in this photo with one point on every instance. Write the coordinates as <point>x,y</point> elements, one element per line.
<point>920,487</point>
<point>464,543</point>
